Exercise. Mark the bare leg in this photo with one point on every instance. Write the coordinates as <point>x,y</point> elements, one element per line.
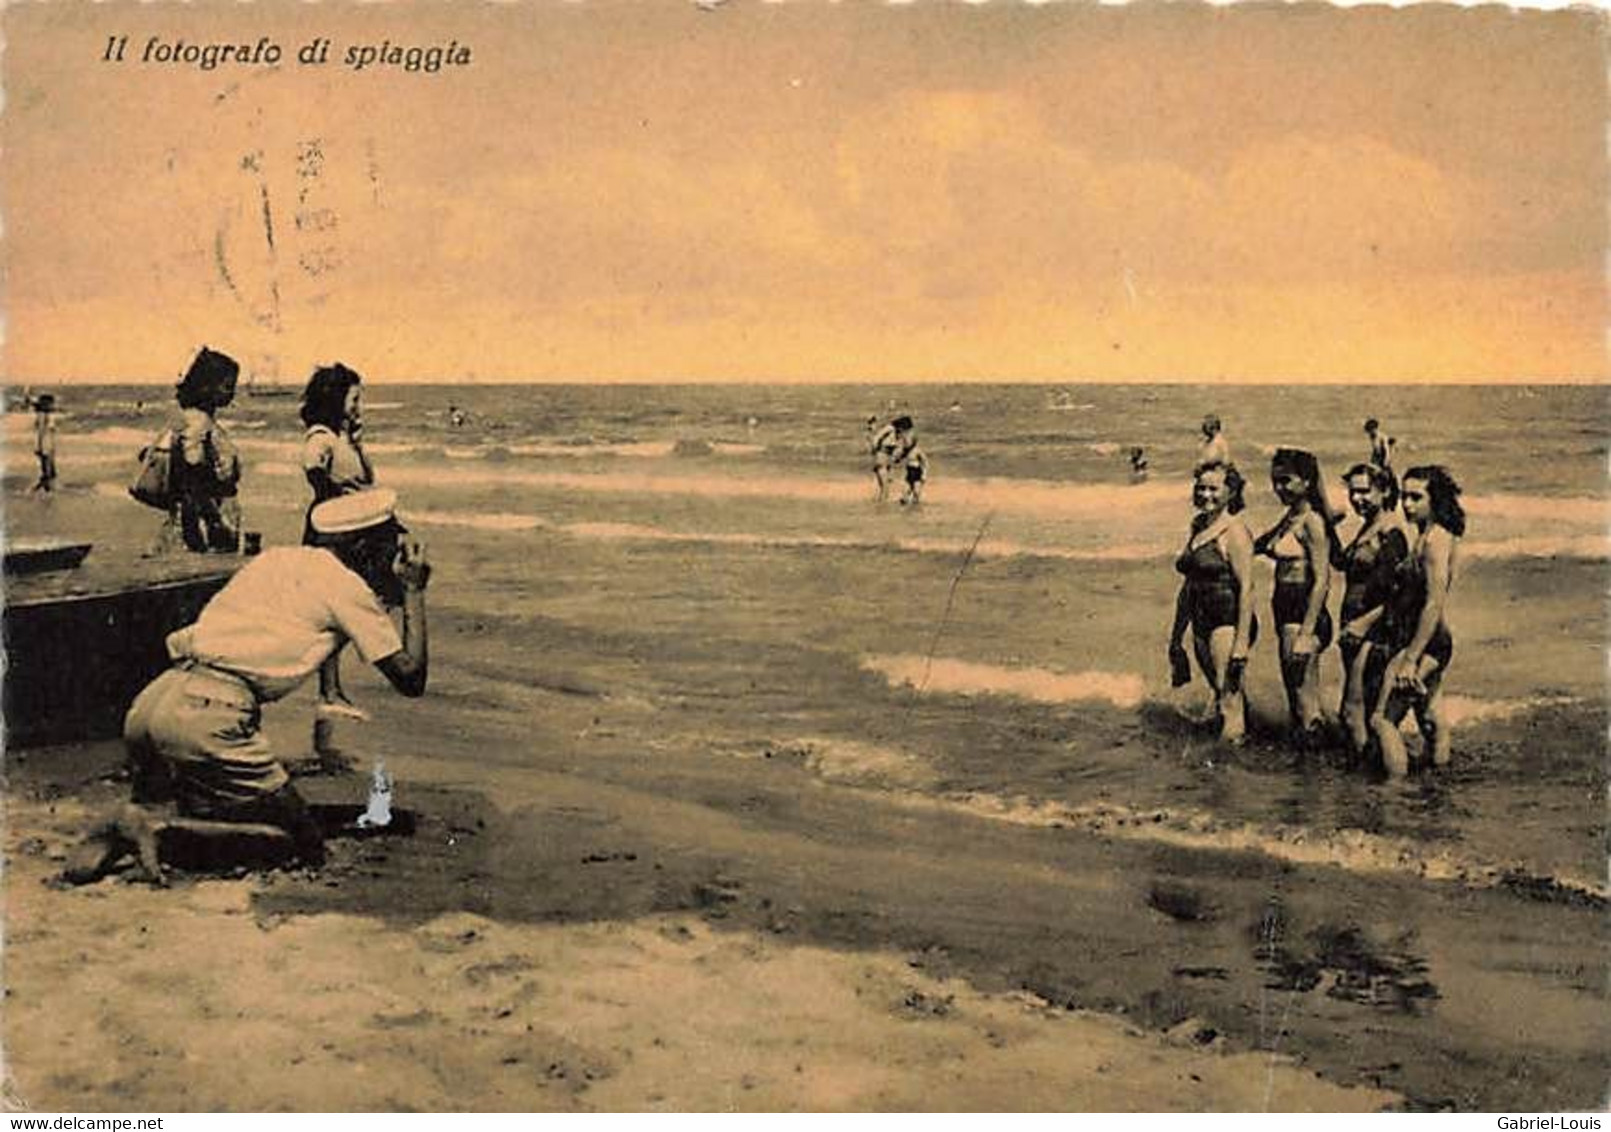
<point>1309,693</point>
<point>1384,721</point>
<point>1429,713</point>
<point>1292,674</point>
<point>1213,657</point>
<point>1353,700</point>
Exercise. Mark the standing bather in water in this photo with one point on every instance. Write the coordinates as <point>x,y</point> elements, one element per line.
<point>1215,448</point>
<point>1381,447</point>
<point>1369,564</point>
<point>881,445</point>
<point>1302,544</point>
<point>1216,596</point>
<point>1413,631</point>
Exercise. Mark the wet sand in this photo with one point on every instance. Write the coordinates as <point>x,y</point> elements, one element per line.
<point>666,816</point>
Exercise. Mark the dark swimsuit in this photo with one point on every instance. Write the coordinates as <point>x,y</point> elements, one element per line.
<point>1291,601</point>
<point>1370,569</point>
<point>1211,590</point>
<point>1396,627</point>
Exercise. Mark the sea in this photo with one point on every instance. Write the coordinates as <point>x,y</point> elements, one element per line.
<point>735,525</point>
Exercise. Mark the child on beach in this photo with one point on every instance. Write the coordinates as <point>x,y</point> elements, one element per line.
<point>917,473</point>
<point>45,441</point>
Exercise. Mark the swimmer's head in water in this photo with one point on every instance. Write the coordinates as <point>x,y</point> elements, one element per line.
<point>1211,425</point>
<point>904,424</point>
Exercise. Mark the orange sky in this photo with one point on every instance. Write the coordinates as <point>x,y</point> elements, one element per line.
<point>805,192</point>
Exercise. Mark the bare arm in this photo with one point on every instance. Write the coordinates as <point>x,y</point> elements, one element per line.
<point>1312,534</point>
<point>355,437</point>
<point>1182,616</point>
<point>1239,553</point>
<point>1439,551</point>
<point>1264,543</point>
<point>409,668</point>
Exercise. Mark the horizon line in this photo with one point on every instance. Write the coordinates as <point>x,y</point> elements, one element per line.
<point>281,387</point>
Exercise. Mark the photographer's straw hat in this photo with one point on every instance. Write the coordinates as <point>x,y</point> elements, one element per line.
<point>356,512</point>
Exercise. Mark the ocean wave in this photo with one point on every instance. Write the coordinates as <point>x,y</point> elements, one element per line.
<point>119,435</point>
<point>1542,509</point>
<point>1041,685</point>
<point>1044,498</point>
<point>641,449</point>
<point>1465,711</point>
<point>907,778</point>
<point>1542,546</point>
<point>1349,849</point>
<point>481,521</point>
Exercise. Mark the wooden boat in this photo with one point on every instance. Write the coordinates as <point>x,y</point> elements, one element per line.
<point>81,643</point>
<point>40,555</point>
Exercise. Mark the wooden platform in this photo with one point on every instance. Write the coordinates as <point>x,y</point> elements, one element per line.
<point>81,643</point>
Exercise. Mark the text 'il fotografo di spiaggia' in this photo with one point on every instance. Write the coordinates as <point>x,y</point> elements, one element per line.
<point>157,50</point>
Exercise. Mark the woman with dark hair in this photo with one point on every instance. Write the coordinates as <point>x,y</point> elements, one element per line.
<point>1412,630</point>
<point>1302,544</point>
<point>1369,564</point>
<point>205,470</point>
<point>1216,595</point>
<point>335,464</point>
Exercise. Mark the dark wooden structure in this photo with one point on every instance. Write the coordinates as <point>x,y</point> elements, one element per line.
<point>81,643</point>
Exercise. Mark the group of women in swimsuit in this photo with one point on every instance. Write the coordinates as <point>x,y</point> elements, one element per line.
<point>1391,632</point>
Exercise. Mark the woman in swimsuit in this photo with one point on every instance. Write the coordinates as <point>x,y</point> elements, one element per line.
<point>1302,544</point>
<point>1368,564</point>
<point>1216,597</point>
<point>1412,629</point>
